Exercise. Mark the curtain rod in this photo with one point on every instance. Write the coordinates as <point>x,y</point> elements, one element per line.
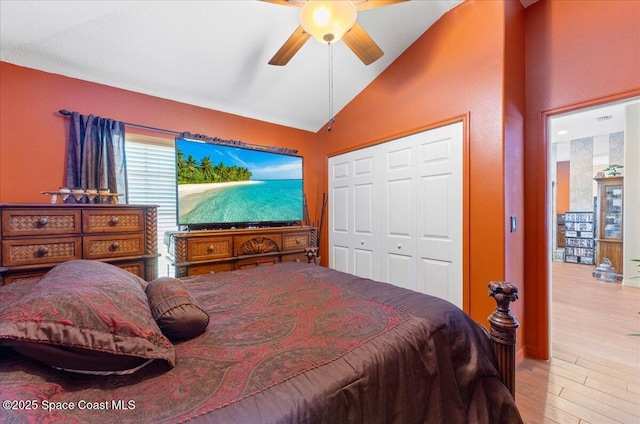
<point>65,112</point>
<point>186,134</point>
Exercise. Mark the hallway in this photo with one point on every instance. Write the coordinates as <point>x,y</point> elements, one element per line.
<point>594,375</point>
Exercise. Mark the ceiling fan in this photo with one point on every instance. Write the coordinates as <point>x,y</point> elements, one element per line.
<point>328,22</point>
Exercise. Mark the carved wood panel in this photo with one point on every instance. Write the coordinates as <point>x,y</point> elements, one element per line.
<point>258,245</point>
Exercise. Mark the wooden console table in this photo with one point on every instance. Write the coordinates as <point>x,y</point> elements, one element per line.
<point>205,251</point>
<point>35,237</point>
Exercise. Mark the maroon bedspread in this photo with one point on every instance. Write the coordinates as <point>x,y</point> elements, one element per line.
<point>291,343</point>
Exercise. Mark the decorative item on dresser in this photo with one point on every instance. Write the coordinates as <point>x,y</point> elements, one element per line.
<point>206,251</point>
<point>609,230</point>
<point>35,237</point>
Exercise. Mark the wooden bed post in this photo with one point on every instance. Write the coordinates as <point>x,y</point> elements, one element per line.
<point>503,331</point>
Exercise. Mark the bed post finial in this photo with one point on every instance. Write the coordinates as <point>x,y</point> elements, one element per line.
<point>503,331</point>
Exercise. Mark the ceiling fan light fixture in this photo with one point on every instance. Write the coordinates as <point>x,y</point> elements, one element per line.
<point>327,21</point>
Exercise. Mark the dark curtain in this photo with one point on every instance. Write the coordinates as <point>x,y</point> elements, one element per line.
<point>95,155</point>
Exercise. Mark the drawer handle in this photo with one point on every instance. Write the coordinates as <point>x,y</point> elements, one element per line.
<point>114,220</point>
<point>297,240</point>
<point>211,248</point>
<point>43,250</point>
<point>115,245</point>
<point>42,222</point>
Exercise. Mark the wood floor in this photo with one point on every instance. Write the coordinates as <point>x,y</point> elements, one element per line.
<point>594,375</point>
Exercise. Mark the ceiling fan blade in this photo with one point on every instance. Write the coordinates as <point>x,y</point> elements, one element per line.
<point>362,44</point>
<point>290,47</point>
<point>372,4</point>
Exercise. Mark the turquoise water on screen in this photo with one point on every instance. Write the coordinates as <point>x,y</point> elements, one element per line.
<point>272,200</point>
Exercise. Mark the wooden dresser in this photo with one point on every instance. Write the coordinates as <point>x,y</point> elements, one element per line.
<point>35,237</point>
<point>201,252</point>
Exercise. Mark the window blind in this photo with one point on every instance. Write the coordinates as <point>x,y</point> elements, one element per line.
<point>151,174</point>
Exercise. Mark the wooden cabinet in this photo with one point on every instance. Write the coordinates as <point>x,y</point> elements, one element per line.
<point>609,239</point>
<point>35,237</point>
<point>200,252</point>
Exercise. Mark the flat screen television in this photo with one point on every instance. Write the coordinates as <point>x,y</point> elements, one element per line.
<point>223,186</point>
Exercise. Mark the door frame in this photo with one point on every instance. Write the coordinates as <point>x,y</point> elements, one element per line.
<point>542,308</point>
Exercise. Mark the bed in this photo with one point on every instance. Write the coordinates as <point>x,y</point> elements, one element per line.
<point>289,343</point>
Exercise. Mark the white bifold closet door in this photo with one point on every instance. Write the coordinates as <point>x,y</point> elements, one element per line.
<point>395,212</point>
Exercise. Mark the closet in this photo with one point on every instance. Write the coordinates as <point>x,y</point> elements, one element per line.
<point>395,212</point>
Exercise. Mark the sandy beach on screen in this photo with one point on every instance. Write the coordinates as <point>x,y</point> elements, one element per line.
<point>185,190</point>
<point>189,194</point>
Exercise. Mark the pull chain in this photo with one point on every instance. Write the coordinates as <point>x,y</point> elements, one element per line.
<point>331,117</point>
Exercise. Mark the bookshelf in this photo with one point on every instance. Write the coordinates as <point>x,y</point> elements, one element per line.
<point>579,241</point>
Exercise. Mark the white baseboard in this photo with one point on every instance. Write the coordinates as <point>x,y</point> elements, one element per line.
<point>631,282</point>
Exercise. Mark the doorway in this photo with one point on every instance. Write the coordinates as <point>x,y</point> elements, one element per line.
<point>584,145</point>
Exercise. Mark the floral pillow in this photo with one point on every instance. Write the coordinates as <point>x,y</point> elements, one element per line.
<point>84,316</point>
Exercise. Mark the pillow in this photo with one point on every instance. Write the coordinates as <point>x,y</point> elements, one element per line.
<point>84,316</point>
<point>177,313</point>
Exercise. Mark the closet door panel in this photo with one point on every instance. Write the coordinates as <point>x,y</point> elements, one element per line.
<point>363,209</point>
<point>339,257</point>
<point>400,206</point>
<point>339,212</point>
<point>439,212</point>
<point>351,207</point>
<point>339,224</point>
<point>436,216</point>
<point>397,197</point>
<point>401,271</point>
<point>436,278</point>
<point>363,237</point>
<point>364,263</point>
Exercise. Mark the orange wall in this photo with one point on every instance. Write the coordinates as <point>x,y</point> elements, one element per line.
<point>563,187</point>
<point>456,69</point>
<point>33,135</point>
<point>514,102</point>
<point>577,54</point>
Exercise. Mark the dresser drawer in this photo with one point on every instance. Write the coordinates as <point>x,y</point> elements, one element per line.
<point>112,220</point>
<point>19,277</point>
<point>134,267</point>
<point>113,246</point>
<point>258,261</point>
<point>295,257</point>
<point>210,268</point>
<point>296,241</point>
<point>40,251</point>
<point>201,249</point>
<point>39,222</point>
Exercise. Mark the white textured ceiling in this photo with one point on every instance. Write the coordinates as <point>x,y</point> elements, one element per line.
<point>212,54</point>
<point>597,122</point>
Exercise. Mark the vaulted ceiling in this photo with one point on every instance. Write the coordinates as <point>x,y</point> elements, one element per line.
<point>212,54</point>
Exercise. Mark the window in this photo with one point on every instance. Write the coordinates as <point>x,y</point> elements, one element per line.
<point>151,175</point>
